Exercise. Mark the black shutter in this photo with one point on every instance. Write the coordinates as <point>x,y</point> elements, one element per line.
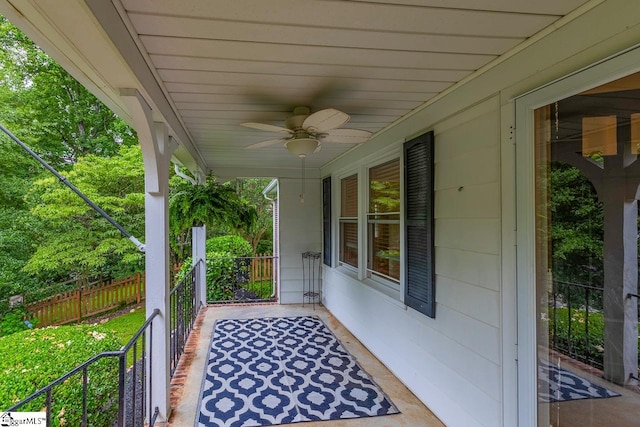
<point>419,224</point>
<point>326,221</point>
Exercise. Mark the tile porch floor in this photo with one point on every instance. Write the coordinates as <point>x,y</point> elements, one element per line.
<point>413,412</point>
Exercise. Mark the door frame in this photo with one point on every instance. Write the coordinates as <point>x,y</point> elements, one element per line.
<point>607,70</point>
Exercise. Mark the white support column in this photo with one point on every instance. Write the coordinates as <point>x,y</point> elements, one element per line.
<point>199,250</point>
<point>157,148</point>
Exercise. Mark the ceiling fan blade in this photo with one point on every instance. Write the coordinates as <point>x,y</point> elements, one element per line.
<point>347,136</point>
<point>324,120</point>
<point>266,143</point>
<point>267,127</point>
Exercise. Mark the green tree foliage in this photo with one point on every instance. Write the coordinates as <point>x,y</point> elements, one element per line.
<point>61,121</point>
<point>250,189</point>
<point>79,241</point>
<point>576,226</point>
<point>48,109</point>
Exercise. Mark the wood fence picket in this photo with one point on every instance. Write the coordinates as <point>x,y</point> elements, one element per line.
<point>87,301</point>
<point>261,268</point>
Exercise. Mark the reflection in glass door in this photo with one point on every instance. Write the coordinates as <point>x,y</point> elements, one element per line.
<point>587,185</point>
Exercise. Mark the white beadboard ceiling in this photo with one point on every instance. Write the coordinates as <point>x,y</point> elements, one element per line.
<point>222,63</point>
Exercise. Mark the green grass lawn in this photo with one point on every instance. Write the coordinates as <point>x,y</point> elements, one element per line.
<point>125,326</point>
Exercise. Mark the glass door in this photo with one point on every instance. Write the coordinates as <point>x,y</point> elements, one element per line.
<point>587,182</point>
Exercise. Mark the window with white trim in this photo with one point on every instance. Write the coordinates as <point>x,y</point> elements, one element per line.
<point>383,222</point>
<point>349,221</point>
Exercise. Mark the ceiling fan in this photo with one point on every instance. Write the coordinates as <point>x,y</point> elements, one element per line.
<point>306,132</point>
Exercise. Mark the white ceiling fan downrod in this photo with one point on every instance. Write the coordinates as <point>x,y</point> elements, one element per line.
<point>302,189</point>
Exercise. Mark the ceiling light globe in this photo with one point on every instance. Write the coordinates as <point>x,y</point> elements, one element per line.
<point>302,147</point>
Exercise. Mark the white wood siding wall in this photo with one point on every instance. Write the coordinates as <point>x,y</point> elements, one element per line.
<point>300,231</point>
<point>458,352</point>
<point>462,363</point>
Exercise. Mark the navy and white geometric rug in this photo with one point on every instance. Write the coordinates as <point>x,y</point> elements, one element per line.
<point>557,385</point>
<point>283,370</point>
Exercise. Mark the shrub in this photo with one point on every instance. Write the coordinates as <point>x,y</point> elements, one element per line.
<point>32,359</point>
<point>265,247</point>
<point>13,321</point>
<point>235,246</point>
<point>577,340</point>
<point>221,265</point>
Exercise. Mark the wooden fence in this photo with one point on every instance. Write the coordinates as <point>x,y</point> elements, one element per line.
<point>93,299</point>
<point>262,268</point>
<point>87,301</point>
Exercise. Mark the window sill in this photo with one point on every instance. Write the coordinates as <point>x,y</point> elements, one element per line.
<point>346,271</point>
<point>389,294</point>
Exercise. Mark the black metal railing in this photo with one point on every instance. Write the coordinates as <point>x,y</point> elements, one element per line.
<point>93,383</point>
<point>577,321</point>
<point>183,311</point>
<point>241,279</point>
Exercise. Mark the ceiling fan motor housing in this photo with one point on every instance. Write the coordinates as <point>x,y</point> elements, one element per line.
<point>297,119</point>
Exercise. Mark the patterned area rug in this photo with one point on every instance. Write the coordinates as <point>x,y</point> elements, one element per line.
<point>283,370</point>
<point>557,385</point>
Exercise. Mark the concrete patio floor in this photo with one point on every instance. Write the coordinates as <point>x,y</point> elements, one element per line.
<point>413,412</point>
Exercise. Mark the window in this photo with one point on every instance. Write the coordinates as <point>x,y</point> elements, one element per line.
<point>383,222</point>
<point>349,221</point>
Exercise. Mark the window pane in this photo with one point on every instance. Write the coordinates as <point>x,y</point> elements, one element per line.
<point>384,187</point>
<point>349,243</point>
<point>349,202</point>
<point>384,241</point>
<point>349,221</point>
<point>384,220</point>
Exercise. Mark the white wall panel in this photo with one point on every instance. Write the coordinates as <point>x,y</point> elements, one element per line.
<point>469,267</point>
<point>474,301</point>
<point>300,231</point>
<point>478,235</point>
<point>471,201</point>
<point>476,166</point>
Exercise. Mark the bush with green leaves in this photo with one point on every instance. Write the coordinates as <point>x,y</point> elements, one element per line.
<point>34,358</point>
<point>222,253</point>
<point>265,247</point>
<point>581,329</point>
<point>12,321</point>
<point>234,245</point>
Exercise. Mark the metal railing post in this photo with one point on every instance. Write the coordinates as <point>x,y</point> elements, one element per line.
<point>121,389</point>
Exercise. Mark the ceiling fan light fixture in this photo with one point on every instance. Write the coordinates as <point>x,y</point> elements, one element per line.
<point>302,147</point>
